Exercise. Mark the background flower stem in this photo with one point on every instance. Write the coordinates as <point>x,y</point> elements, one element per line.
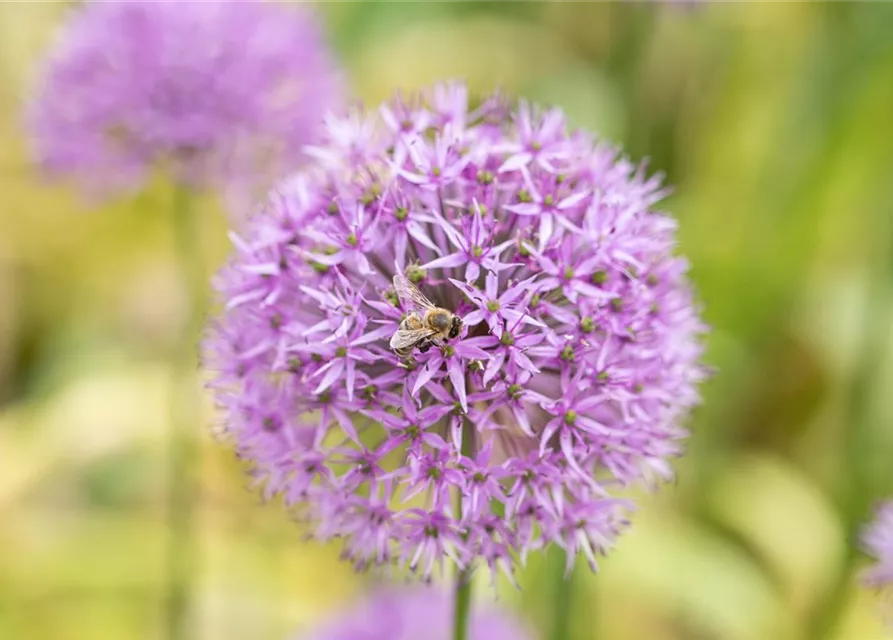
<point>562,600</point>
<point>867,478</point>
<point>184,417</point>
<point>462,605</point>
<point>462,602</point>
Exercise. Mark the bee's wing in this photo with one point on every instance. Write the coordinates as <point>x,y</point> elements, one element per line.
<point>410,295</point>
<point>404,338</point>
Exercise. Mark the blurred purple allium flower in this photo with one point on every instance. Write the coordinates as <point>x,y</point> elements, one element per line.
<point>215,91</point>
<point>877,541</point>
<point>413,614</point>
<point>577,363</point>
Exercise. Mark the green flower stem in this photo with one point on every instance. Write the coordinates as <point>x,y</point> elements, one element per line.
<point>185,415</point>
<point>462,599</point>
<point>462,606</point>
<point>864,482</point>
<point>562,601</point>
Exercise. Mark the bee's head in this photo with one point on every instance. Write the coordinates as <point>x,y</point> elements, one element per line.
<point>455,327</point>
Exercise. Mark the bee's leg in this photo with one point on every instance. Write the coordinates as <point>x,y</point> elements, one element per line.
<point>424,346</point>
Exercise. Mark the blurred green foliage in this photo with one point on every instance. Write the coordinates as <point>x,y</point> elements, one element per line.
<point>773,123</point>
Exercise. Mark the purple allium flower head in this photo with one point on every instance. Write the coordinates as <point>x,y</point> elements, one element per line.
<point>877,541</point>
<point>412,614</point>
<point>216,91</point>
<point>577,363</point>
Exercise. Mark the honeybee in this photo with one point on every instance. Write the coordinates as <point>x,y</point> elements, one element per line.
<point>426,325</point>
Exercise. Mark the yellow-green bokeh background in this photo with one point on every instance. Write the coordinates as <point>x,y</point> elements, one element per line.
<point>774,120</point>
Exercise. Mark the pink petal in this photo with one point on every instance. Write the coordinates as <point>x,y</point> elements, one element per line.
<point>416,231</point>
<point>573,200</point>
<point>524,208</point>
<point>424,377</point>
<point>493,367</point>
<point>516,162</point>
<point>452,260</point>
<point>458,378</point>
<point>337,367</point>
